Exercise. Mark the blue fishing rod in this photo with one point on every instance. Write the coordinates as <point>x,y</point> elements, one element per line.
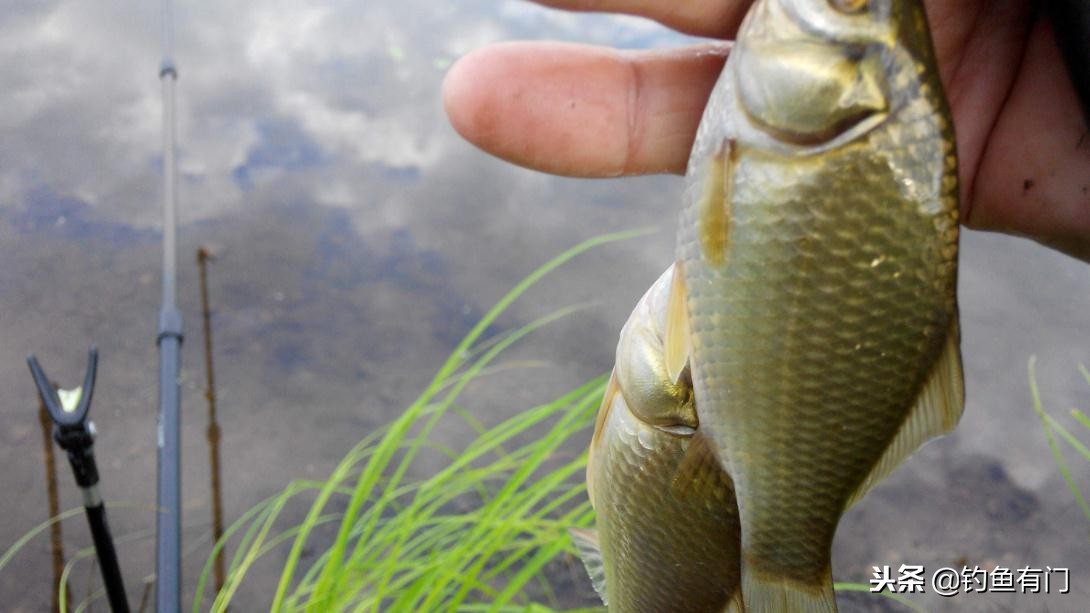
<point>168,559</point>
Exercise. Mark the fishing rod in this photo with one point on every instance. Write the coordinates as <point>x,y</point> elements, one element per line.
<point>76,435</point>
<point>168,559</point>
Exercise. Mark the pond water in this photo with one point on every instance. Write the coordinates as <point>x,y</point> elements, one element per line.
<point>359,238</point>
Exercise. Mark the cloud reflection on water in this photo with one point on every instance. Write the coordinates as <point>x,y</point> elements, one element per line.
<point>273,96</point>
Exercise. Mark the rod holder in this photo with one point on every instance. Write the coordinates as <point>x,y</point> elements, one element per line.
<point>76,435</point>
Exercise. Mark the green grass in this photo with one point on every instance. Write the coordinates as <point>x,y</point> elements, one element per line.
<point>471,537</point>
<point>1056,431</point>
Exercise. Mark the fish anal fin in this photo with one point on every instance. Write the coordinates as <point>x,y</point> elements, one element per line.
<point>677,338</point>
<point>700,471</point>
<point>590,552</point>
<point>938,409</point>
<point>612,390</point>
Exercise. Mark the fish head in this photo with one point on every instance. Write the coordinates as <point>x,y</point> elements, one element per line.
<point>814,72</point>
<point>651,393</point>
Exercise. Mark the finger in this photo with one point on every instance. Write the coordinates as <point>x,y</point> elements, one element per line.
<point>583,111</point>
<point>714,18</point>
<point>1034,176</point>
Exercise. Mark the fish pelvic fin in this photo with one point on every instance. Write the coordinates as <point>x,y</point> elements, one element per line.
<point>587,544</point>
<point>677,339</point>
<point>700,472</point>
<point>714,218</point>
<point>938,409</point>
<point>765,593</point>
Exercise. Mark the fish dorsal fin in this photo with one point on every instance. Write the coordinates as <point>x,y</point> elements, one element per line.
<point>587,544</point>
<point>938,409</point>
<point>612,391</point>
<point>699,470</point>
<point>677,338</point>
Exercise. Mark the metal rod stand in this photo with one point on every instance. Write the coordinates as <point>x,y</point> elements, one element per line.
<point>76,435</point>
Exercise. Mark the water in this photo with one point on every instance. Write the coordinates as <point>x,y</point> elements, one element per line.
<point>359,238</point>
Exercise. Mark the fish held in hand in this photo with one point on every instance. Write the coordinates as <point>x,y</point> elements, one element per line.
<point>667,527</point>
<point>815,298</point>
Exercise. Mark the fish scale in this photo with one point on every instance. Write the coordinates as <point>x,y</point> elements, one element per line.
<point>665,555</point>
<point>762,377</point>
<point>814,331</point>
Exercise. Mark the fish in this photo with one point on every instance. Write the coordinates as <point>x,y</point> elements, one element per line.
<point>814,303</point>
<point>667,535</point>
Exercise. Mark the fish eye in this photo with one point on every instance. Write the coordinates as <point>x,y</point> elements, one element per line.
<point>851,7</point>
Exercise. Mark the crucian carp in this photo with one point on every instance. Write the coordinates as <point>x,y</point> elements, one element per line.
<point>814,303</point>
<point>667,524</point>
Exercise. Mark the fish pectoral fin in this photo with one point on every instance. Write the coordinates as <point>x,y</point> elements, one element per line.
<point>700,474</point>
<point>677,339</point>
<point>938,409</point>
<point>590,551</point>
<point>613,389</point>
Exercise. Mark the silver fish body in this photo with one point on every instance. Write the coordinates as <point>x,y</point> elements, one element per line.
<point>667,526</point>
<point>817,305</point>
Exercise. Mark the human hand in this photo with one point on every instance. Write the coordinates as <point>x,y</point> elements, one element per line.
<point>578,110</point>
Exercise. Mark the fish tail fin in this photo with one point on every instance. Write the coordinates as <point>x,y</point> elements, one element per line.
<point>765,593</point>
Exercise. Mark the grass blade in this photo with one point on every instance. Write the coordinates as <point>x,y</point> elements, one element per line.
<point>1047,421</point>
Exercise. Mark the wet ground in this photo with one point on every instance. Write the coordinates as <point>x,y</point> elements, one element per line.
<point>359,238</point>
